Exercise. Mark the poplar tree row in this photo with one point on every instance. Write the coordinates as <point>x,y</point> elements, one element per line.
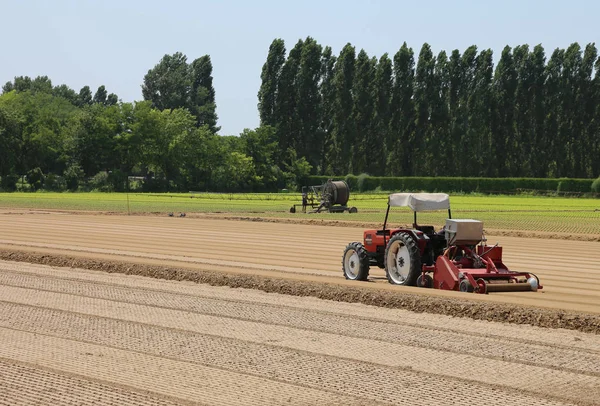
<point>470,113</point>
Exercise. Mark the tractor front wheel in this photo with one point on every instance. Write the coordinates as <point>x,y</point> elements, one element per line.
<point>355,262</point>
<point>402,260</point>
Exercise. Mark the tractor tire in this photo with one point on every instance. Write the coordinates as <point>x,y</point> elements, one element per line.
<point>402,260</point>
<point>352,210</point>
<point>355,262</point>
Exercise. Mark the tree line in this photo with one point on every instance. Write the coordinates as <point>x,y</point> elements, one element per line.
<point>321,114</point>
<point>58,139</point>
<point>453,114</point>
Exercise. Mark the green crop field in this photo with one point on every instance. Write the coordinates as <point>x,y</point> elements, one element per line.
<point>527,213</point>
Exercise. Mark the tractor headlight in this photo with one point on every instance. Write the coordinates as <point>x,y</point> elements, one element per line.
<point>368,239</point>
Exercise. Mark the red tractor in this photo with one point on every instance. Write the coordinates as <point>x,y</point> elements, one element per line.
<point>455,258</point>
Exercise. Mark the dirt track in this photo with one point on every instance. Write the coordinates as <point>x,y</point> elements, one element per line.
<point>74,336</point>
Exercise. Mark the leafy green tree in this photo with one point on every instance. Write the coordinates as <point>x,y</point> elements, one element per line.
<point>479,106</point>
<point>41,84</point>
<point>594,126</point>
<point>35,178</point>
<point>402,124</point>
<point>466,97</point>
<point>37,131</point>
<point>66,93</point>
<point>296,170</point>
<point>344,129</point>
<point>286,113</point>
<point>422,139</point>
<point>167,85</point>
<point>308,101</point>
<point>456,112</point>
<point>270,76</point>
<point>261,145</point>
<point>552,107</point>
<point>520,150</point>
<point>569,130</point>
<point>100,95</point>
<point>73,175</point>
<point>237,174</point>
<point>366,139</point>
<point>8,87</point>
<point>112,99</point>
<point>202,97</point>
<point>22,83</point>
<point>539,144</point>
<point>173,84</point>
<point>85,96</point>
<point>92,139</point>
<point>505,85</point>
<point>9,141</point>
<point>440,117</point>
<point>377,154</point>
<point>583,144</point>
<point>191,151</point>
<point>327,92</point>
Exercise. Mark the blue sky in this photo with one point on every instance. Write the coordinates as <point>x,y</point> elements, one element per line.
<point>114,43</point>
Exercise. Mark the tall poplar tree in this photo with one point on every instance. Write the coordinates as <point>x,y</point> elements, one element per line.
<point>344,133</point>
<point>440,117</point>
<point>553,109</point>
<point>457,128</point>
<point>570,128</point>
<point>539,144</point>
<point>308,101</point>
<point>467,103</point>
<point>362,114</point>
<point>286,114</point>
<point>271,71</point>
<point>423,138</point>
<point>480,159</point>
<point>400,159</point>
<point>327,91</point>
<point>594,127</point>
<point>505,85</point>
<point>376,157</point>
<point>202,103</point>
<point>585,114</point>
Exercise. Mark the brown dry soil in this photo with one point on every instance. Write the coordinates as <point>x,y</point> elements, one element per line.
<point>301,260</point>
<point>77,336</point>
<point>317,221</point>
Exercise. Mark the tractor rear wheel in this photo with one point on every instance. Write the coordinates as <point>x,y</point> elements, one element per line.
<point>402,260</point>
<point>355,262</point>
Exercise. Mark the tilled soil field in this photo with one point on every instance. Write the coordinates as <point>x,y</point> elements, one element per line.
<point>569,270</point>
<point>74,336</point>
<point>77,336</point>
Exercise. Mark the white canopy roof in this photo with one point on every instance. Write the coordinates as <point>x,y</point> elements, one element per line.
<point>420,201</point>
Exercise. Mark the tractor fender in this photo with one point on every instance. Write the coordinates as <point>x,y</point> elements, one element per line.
<point>419,237</point>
